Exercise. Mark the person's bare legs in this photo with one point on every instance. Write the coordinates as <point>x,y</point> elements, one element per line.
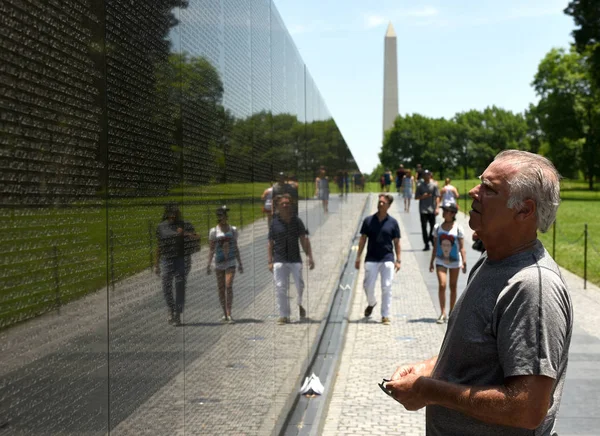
<point>408,207</point>
<point>326,205</point>
<point>221,287</point>
<point>442,274</point>
<point>453,284</point>
<point>229,276</point>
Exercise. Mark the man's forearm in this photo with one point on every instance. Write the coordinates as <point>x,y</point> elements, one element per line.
<point>361,246</point>
<point>490,404</point>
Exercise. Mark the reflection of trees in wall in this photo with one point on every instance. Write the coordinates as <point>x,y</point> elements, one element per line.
<point>140,133</point>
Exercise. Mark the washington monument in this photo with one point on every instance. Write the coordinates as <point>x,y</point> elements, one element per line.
<point>390,79</point>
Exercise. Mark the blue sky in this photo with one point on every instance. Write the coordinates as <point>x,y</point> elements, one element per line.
<point>453,56</point>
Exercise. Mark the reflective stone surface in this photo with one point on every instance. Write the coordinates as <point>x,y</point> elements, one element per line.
<point>117,115</point>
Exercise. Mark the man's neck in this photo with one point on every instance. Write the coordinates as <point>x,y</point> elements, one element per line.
<point>502,250</point>
<point>285,218</point>
<point>381,215</point>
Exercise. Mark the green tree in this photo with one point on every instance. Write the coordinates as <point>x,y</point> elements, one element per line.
<point>568,112</point>
<point>586,14</point>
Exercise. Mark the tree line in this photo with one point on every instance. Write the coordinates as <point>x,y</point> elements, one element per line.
<point>561,126</point>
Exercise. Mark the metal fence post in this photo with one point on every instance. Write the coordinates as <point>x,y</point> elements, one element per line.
<point>585,239</point>
<point>111,244</point>
<point>57,299</point>
<point>150,245</point>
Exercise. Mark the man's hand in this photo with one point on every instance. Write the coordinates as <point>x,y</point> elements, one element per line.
<point>311,263</point>
<point>357,263</point>
<point>208,270</point>
<point>271,266</point>
<point>437,211</point>
<point>431,268</point>
<point>406,391</point>
<point>240,269</point>
<point>464,267</point>
<point>414,368</point>
<point>397,265</point>
<point>157,269</point>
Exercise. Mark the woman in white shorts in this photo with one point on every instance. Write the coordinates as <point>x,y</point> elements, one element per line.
<point>224,248</point>
<point>448,255</point>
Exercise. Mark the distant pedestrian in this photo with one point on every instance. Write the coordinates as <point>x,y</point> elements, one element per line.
<point>419,174</point>
<point>267,198</point>
<point>383,234</point>
<point>449,193</point>
<point>176,242</point>
<point>322,189</point>
<point>448,256</point>
<point>283,186</point>
<point>286,234</point>
<point>429,202</point>
<point>502,365</point>
<point>339,179</point>
<point>387,178</point>
<point>346,182</point>
<point>224,248</point>
<point>400,173</point>
<point>408,186</point>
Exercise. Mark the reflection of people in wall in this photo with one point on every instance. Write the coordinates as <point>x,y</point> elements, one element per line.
<point>224,248</point>
<point>284,186</point>
<point>267,198</point>
<point>177,240</point>
<point>286,234</point>
<point>322,188</point>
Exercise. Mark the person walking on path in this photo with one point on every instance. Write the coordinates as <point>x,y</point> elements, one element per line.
<point>449,193</point>
<point>283,186</point>
<point>383,234</point>
<point>322,189</point>
<point>267,198</point>
<point>387,180</point>
<point>224,248</point>
<point>408,185</point>
<point>284,258</point>
<point>176,242</point>
<point>400,173</point>
<point>502,365</point>
<point>448,255</point>
<point>429,203</point>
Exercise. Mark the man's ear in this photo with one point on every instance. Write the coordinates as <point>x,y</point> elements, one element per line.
<point>527,211</point>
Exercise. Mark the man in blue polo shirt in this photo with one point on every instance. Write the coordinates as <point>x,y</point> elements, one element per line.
<point>383,233</point>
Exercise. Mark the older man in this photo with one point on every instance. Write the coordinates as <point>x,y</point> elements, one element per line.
<point>502,365</point>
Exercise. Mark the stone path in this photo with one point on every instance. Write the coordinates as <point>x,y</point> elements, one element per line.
<point>373,351</point>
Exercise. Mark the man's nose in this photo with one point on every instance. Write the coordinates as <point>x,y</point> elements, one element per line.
<point>474,193</point>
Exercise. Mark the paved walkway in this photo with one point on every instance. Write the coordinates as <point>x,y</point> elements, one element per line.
<point>373,351</point>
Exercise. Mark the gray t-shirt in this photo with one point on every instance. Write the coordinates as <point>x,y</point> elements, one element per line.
<point>427,205</point>
<point>514,318</point>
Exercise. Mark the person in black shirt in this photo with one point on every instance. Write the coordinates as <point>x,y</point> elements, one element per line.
<point>383,233</point>
<point>284,255</point>
<point>177,241</point>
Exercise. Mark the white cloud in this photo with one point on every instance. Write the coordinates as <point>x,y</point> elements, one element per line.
<point>374,21</point>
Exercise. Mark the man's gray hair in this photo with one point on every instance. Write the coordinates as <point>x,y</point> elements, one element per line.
<point>535,179</point>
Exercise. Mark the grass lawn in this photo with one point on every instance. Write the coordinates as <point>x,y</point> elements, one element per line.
<point>579,206</point>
